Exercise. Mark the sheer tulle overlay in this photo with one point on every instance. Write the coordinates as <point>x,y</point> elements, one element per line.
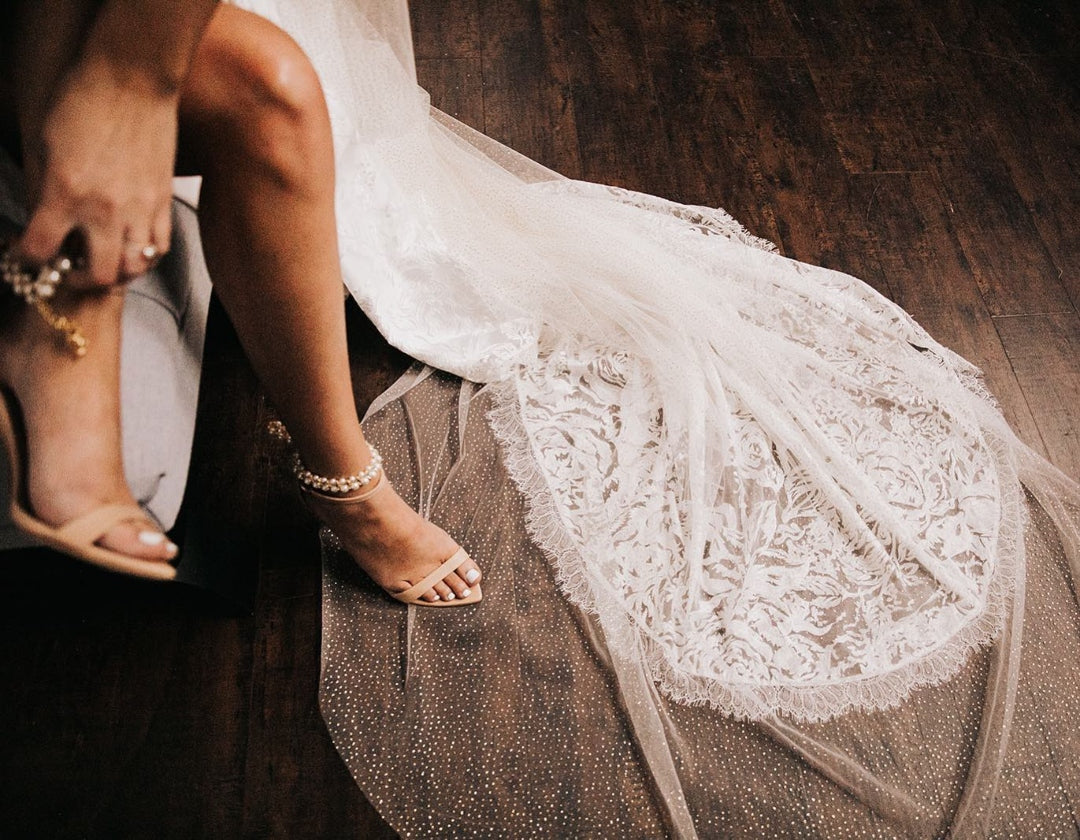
<point>521,718</point>
<point>770,491</point>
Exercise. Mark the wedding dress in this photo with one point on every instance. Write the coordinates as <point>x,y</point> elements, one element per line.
<point>762,489</point>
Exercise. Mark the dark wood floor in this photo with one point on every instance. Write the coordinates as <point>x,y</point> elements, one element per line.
<point>931,148</point>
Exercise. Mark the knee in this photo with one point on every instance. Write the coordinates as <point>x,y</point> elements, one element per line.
<point>256,100</point>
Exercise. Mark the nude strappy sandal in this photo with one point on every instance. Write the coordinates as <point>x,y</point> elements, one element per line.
<point>77,537</point>
<point>412,595</point>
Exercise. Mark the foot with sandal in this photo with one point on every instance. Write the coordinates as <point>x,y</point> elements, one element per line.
<point>59,422</point>
<point>385,536</point>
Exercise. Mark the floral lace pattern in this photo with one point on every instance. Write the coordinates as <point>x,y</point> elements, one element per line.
<point>788,592</point>
<point>850,540</point>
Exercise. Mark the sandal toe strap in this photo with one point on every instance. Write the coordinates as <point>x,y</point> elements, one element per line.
<point>413,593</point>
<point>91,527</point>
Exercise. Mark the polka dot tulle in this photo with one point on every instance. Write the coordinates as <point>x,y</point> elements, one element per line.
<point>514,719</point>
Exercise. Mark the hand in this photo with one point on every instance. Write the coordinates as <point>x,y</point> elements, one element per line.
<point>103,168</point>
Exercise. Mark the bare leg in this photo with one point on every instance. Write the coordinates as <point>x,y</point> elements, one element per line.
<point>71,408</point>
<point>255,123</point>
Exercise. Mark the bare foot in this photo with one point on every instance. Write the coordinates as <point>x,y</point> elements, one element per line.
<point>71,415</point>
<point>396,546</point>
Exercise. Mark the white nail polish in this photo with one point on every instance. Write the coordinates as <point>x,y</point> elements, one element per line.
<point>472,576</point>
<point>436,598</point>
<point>465,593</point>
<point>151,537</point>
<point>450,596</point>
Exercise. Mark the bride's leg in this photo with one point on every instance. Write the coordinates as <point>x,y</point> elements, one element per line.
<point>71,408</point>
<point>255,126</point>
<point>71,415</point>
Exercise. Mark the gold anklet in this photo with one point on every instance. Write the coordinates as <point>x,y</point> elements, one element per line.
<point>69,331</point>
<point>324,484</point>
<point>36,288</point>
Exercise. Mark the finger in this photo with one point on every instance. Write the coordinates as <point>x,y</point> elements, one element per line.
<point>104,252</point>
<point>43,236</point>
<point>138,257</point>
<point>161,230</point>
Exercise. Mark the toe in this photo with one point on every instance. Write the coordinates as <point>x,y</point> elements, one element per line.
<point>140,540</point>
<point>459,587</point>
<point>445,592</point>
<point>431,595</point>
<point>469,572</point>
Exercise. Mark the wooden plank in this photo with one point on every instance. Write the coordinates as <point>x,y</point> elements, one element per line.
<point>527,92</point>
<point>1011,31</point>
<point>296,784</point>
<point>885,111</point>
<point>1044,351</point>
<point>707,103</point>
<point>446,30</point>
<point>693,31</point>
<point>1036,129</point>
<point>919,252</point>
<point>797,171</point>
<point>456,87</point>
<point>620,133</point>
<point>123,689</point>
<point>862,27</point>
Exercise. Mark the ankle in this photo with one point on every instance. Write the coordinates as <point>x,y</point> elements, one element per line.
<point>31,337</point>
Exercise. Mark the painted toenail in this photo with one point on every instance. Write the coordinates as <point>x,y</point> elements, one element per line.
<point>151,537</point>
<point>450,597</point>
<point>472,576</point>
<point>465,593</point>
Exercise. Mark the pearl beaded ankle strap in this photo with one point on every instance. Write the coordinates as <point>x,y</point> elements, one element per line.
<point>326,484</point>
<point>343,484</point>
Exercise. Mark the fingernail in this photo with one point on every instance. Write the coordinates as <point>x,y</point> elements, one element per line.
<point>472,576</point>
<point>151,537</point>
<point>465,593</point>
<point>172,549</point>
<point>450,596</point>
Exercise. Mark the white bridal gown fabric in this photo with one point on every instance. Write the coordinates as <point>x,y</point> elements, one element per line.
<point>773,489</point>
